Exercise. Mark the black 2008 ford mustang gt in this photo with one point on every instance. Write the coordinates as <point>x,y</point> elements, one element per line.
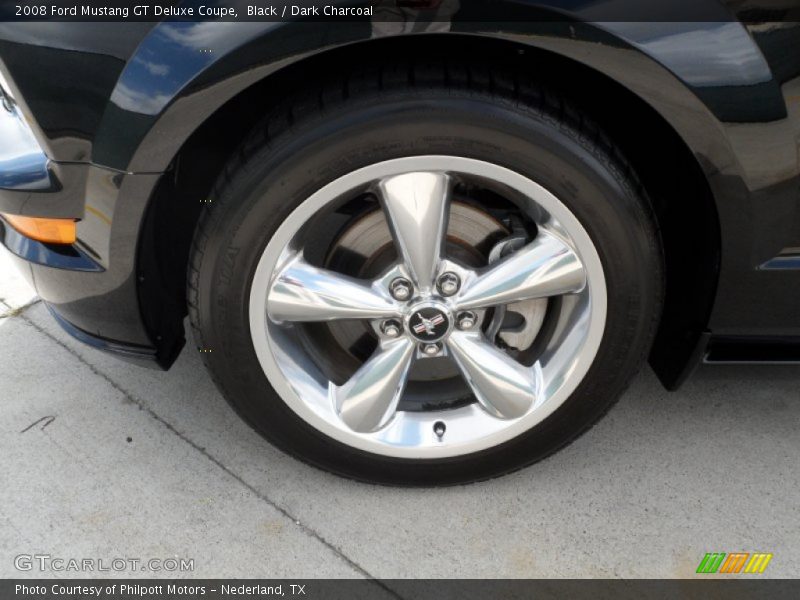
<point>424,245</point>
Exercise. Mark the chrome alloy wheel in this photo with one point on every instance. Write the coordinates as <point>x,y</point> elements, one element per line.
<point>427,306</point>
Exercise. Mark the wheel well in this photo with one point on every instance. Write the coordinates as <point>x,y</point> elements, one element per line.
<point>669,172</point>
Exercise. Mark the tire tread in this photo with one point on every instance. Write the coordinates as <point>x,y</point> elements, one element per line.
<point>369,84</point>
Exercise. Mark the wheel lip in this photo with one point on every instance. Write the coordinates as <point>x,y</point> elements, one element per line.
<point>290,390</point>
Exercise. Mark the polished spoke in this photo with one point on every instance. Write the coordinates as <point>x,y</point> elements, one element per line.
<point>505,388</point>
<point>369,399</point>
<point>545,267</point>
<point>416,208</point>
<point>303,293</point>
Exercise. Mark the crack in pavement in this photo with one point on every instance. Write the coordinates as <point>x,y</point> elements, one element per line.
<point>143,406</point>
<point>19,311</point>
<point>44,420</point>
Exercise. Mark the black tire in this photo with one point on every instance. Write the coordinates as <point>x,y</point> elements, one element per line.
<point>321,134</point>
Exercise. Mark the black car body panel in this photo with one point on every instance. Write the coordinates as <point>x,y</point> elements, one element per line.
<point>111,107</point>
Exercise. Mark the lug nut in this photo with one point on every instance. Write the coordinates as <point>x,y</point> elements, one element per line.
<point>448,284</point>
<point>391,328</point>
<point>401,289</point>
<point>467,320</point>
<point>431,349</point>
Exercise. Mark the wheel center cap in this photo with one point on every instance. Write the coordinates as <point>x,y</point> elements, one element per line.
<point>428,323</point>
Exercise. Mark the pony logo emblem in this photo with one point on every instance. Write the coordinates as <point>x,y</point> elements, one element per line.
<point>429,324</point>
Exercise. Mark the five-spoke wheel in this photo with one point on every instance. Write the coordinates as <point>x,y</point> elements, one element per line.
<point>414,277</point>
<point>428,305</point>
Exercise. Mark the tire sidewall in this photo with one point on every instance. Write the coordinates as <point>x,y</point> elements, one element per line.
<point>280,175</point>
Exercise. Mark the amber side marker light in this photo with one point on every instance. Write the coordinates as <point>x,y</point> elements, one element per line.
<point>50,231</point>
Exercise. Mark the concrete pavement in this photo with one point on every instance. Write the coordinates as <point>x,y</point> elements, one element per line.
<point>103,459</point>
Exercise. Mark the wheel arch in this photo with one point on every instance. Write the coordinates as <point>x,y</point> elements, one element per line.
<point>692,245</point>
